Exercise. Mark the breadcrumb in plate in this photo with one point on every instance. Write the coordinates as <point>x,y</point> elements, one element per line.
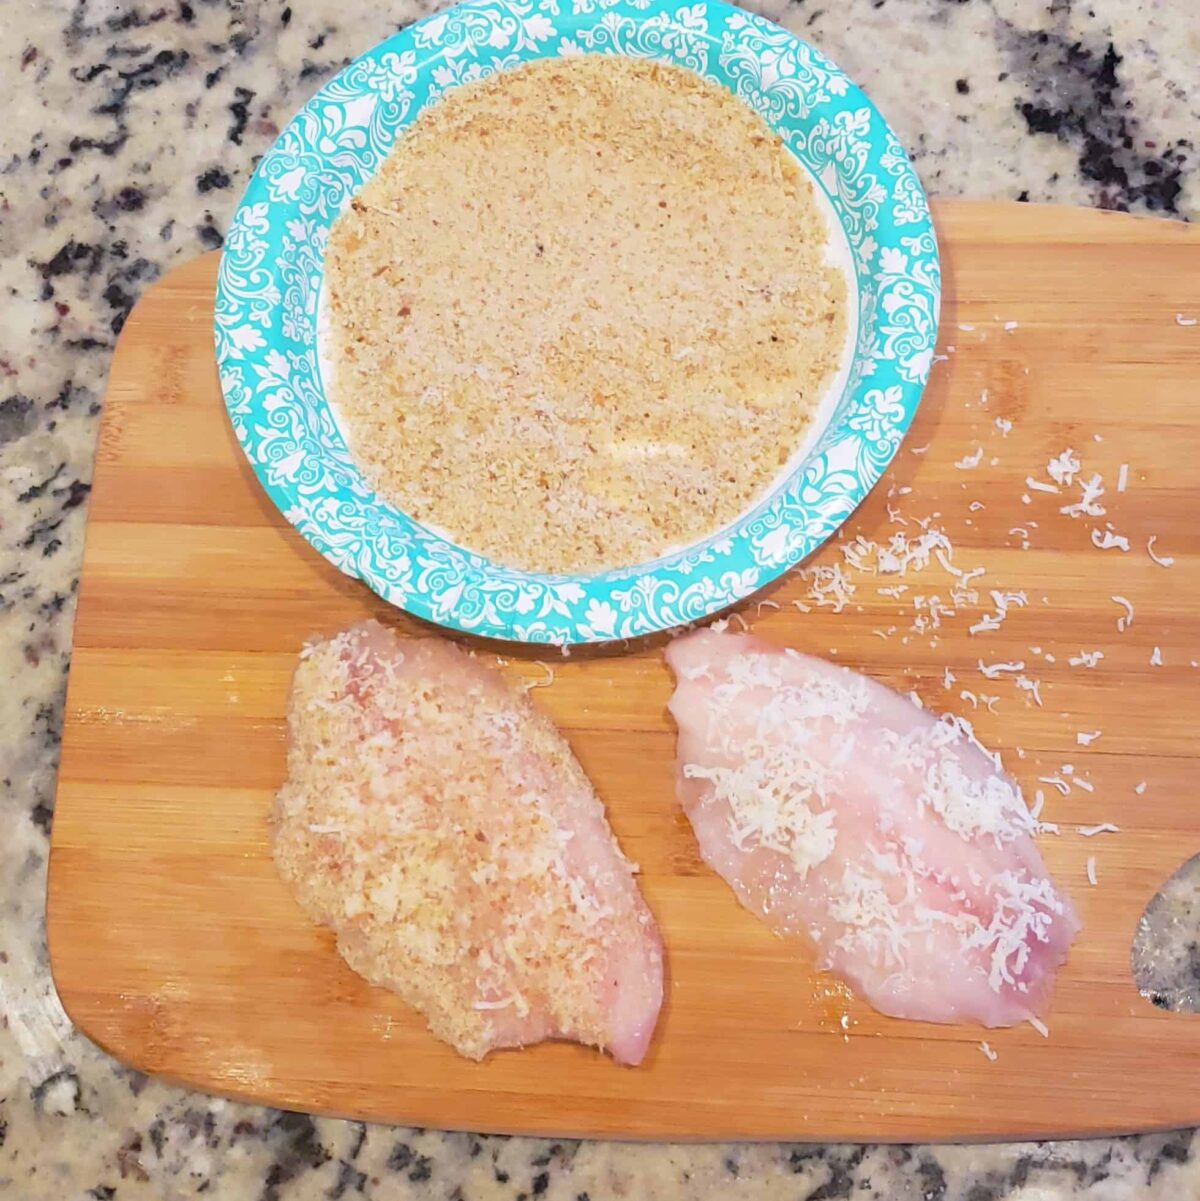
<point>586,313</point>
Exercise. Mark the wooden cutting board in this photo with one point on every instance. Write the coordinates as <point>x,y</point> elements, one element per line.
<point>176,948</point>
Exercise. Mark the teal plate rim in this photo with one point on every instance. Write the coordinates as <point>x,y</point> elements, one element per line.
<point>269,284</point>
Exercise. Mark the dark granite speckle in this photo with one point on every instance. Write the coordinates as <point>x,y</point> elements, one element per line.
<point>131,133</point>
<point>1087,108</point>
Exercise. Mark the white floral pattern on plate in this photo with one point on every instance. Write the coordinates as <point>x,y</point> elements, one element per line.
<point>268,295</point>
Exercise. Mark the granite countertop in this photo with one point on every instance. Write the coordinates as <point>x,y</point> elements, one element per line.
<point>130,132</point>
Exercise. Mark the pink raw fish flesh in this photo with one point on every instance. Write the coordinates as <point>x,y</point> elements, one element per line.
<point>439,824</point>
<point>839,811</point>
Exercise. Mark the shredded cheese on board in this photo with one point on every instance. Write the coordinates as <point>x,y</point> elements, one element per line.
<point>1108,540</point>
<point>1126,620</point>
<point>1161,560</point>
<point>1088,504</point>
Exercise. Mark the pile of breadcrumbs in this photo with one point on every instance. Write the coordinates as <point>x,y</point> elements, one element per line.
<point>582,315</point>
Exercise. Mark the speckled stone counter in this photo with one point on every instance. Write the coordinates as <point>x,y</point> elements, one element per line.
<point>129,130</point>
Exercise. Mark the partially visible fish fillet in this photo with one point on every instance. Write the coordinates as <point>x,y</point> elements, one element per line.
<point>441,826</point>
<point>840,811</point>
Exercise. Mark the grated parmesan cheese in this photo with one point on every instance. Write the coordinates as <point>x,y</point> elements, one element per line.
<point>545,682</point>
<point>1102,828</point>
<point>1122,477</point>
<point>1086,739</point>
<point>1156,657</point>
<point>1038,486</point>
<point>1107,540</point>
<point>829,586</point>
<point>1088,505</point>
<point>988,1052</point>
<point>1056,782</point>
<point>1180,319</point>
<point>1040,1027</point>
<point>995,670</point>
<point>1125,621</point>
<point>1091,870</point>
<point>1064,468</point>
<point>967,462</point>
<point>1086,659</point>
<point>1039,803</point>
<point>1161,560</point>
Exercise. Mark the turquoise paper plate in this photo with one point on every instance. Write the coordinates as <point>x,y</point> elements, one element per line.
<point>270,283</point>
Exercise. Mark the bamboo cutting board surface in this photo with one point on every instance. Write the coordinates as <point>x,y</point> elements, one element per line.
<point>176,948</point>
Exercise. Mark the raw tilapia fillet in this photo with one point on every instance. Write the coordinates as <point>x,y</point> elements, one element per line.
<point>440,825</point>
<point>841,812</point>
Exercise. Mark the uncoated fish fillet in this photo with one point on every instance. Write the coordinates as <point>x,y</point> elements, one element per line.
<point>841,812</point>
